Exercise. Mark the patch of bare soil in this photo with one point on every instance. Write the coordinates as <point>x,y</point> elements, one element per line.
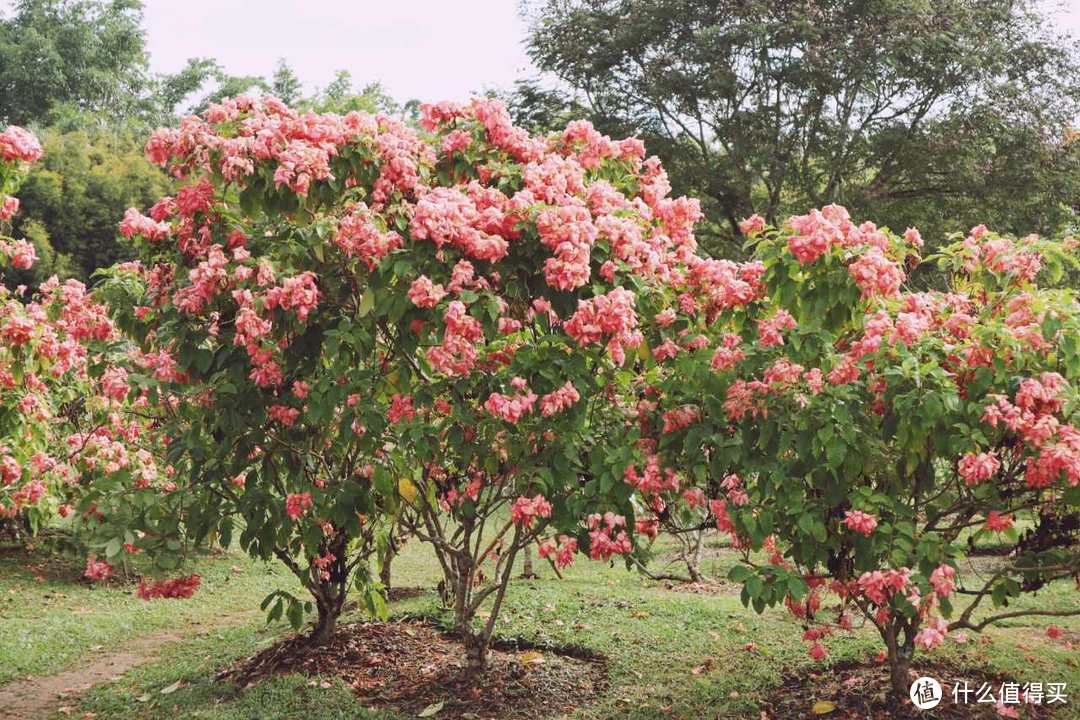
<point>853,690</point>
<point>709,586</point>
<point>412,667</point>
<point>39,697</point>
<point>404,593</point>
<point>33,698</point>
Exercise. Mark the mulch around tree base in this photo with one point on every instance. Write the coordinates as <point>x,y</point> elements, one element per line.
<point>861,690</point>
<point>411,666</point>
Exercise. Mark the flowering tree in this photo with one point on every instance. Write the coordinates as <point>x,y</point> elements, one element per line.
<point>74,452</point>
<point>349,324</point>
<point>859,432</point>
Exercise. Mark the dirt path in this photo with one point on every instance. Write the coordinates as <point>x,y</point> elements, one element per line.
<point>37,698</point>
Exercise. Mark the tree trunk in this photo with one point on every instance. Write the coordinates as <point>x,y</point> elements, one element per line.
<point>693,557</point>
<point>476,651</point>
<point>384,571</point>
<point>330,592</point>
<point>527,572</point>
<point>899,657</point>
<point>329,612</point>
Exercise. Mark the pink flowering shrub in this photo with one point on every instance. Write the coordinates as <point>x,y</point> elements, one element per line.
<point>76,457</point>
<point>856,432</point>
<point>354,323</point>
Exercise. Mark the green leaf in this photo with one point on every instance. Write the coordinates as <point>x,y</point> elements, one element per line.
<point>366,303</point>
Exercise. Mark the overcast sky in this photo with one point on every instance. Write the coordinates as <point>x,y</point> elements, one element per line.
<point>424,49</point>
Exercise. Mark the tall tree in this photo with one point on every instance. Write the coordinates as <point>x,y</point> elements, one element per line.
<point>285,85</point>
<point>904,108</point>
<point>88,54</point>
<point>74,196</point>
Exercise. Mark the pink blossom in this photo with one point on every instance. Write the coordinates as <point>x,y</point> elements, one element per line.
<point>976,468</point>
<point>401,409</point>
<point>770,328</point>
<point>525,510</point>
<point>296,504</point>
<point>17,143</point>
<point>97,569</point>
<point>425,294</point>
<point>562,553</point>
<point>860,522</point>
<point>943,580</point>
<point>996,522</point>
<point>752,225</point>
<point>559,400</point>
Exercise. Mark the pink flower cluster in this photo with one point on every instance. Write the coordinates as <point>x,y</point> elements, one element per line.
<point>180,587</point>
<point>511,409</point>
<point>296,504</point>
<point>357,235</point>
<point>769,329</point>
<point>457,353</point>
<point>18,144</point>
<point>425,294</point>
<point>876,275</point>
<point>611,316</point>
<point>1055,446</point>
<point>607,536</point>
<point>401,409</point>
<point>860,522</point>
<point>653,480</point>
<point>560,399</point>
<point>526,510</point>
<point>562,552</point>
<point>97,569</point>
<point>977,468</point>
<point>135,223</point>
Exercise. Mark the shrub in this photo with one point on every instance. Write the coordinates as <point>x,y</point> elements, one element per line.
<point>352,323</point>
<point>857,431</point>
<point>75,453</point>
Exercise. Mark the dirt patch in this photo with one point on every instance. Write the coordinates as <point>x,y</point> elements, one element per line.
<point>33,698</point>
<point>410,666</point>
<point>40,697</point>
<point>404,593</point>
<point>861,690</point>
<point>705,587</point>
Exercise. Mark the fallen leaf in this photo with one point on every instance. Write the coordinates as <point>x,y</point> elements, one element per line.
<point>531,658</point>
<point>822,707</point>
<point>705,667</point>
<point>326,684</point>
<point>143,698</point>
<point>431,710</point>
<point>170,689</point>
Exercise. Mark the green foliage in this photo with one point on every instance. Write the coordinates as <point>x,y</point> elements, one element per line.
<point>939,114</point>
<point>285,85</point>
<point>84,54</point>
<point>74,196</point>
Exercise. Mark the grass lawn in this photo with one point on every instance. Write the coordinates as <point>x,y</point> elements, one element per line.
<point>672,654</point>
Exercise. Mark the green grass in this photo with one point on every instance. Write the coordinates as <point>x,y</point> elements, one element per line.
<point>652,636</point>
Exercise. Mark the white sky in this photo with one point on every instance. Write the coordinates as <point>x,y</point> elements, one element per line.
<point>424,49</point>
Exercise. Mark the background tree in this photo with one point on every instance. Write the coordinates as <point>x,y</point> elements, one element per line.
<point>87,54</point>
<point>83,182</point>
<point>906,110</point>
<point>285,85</point>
